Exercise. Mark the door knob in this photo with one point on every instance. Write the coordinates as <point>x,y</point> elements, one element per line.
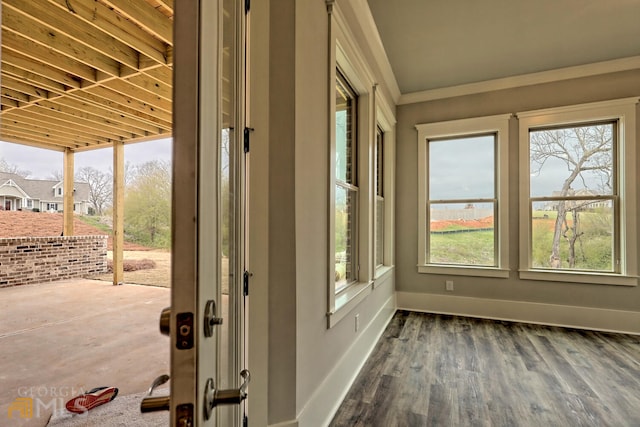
<point>155,403</point>
<point>233,396</point>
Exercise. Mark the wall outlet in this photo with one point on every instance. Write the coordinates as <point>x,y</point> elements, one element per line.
<point>357,322</point>
<point>449,285</point>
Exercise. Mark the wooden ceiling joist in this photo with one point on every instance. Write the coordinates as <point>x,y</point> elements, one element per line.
<point>81,74</point>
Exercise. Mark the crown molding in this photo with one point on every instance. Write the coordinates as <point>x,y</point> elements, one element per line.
<point>559,74</point>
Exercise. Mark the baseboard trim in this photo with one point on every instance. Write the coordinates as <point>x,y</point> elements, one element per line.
<point>598,319</point>
<point>329,395</point>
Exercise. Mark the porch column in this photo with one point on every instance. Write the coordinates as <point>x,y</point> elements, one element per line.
<point>68,185</point>
<point>118,212</point>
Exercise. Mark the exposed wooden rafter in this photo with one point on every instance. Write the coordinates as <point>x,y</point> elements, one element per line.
<point>81,74</point>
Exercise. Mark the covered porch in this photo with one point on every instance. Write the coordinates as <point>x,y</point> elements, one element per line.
<point>84,75</point>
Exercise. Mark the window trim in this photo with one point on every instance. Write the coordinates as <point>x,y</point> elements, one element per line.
<point>623,111</point>
<point>499,125</point>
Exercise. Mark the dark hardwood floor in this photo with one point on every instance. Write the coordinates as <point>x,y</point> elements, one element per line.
<point>439,370</point>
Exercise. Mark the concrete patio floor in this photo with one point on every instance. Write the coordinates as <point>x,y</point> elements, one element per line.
<point>61,338</point>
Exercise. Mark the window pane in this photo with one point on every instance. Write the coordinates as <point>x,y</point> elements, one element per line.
<point>583,236</point>
<point>345,99</point>
<point>462,168</point>
<point>576,161</point>
<point>462,234</point>
<point>379,231</point>
<point>345,242</point>
<point>379,163</point>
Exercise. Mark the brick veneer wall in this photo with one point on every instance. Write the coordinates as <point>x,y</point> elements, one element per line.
<point>27,260</point>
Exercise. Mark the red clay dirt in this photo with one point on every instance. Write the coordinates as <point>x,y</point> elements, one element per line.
<point>486,222</point>
<point>44,224</point>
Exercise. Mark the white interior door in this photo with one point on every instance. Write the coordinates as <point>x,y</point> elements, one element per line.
<point>207,305</point>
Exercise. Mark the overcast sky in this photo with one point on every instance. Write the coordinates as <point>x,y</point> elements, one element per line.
<point>43,163</point>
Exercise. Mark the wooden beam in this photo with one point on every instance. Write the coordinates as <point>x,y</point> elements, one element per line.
<point>118,213</point>
<point>77,114</point>
<point>152,86</point>
<point>68,185</point>
<point>128,128</point>
<point>130,116</point>
<point>13,135</point>
<point>44,60</point>
<point>57,41</point>
<point>31,118</point>
<point>47,115</point>
<point>146,110</point>
<point>30,143</point>
<point>28,77</point>
<point>15,95</point>
<point>97,15</point>
<point>12,83</point>
<point>67,23</point>
<point>136,92</point>
<point>51,134</point>
<point>147,17</point>
<point>161,74</point>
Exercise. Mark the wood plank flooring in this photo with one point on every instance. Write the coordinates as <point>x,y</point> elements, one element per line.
<point>439,370</point>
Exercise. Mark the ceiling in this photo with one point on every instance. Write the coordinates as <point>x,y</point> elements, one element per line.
<point>438,44</point>
<point>81,74</point>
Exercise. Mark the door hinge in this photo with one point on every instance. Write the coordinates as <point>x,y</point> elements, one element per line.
<point>247,6</point>
<point>245,283</point>
<point>247,139</point>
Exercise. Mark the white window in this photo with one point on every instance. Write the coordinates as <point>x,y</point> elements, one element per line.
<point>346,185</point>
<point>29,203</point>
<point>380,192</point>
<point>463,197</point>
<point>578,195</point>
<point>59,191</point>
<point>360,212</point>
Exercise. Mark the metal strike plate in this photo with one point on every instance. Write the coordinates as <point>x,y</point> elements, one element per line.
<point>184,415</point>
<point>184,331</point>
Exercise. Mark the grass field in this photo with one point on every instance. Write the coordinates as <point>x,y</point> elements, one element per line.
<point>474,248</point>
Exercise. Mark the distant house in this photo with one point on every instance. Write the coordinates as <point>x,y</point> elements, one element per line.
<point>18,193</point>
<point>580,204</point>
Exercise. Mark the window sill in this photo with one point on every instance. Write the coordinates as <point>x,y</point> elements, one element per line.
<point>346,300</point>
<point>381,275</point>
<point>458,270</point>
<point>581,277</point>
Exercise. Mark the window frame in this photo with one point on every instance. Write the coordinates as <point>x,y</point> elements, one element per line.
<point>352,178</point>
<point>623,113</point>
<point>498,125</point>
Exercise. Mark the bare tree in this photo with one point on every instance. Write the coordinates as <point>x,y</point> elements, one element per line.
<point>587,152</point>
<point>57,175</point>
<point>14,169</point>
<point>100,187</point>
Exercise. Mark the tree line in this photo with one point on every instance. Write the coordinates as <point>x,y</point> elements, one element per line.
<point>147,199</point>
